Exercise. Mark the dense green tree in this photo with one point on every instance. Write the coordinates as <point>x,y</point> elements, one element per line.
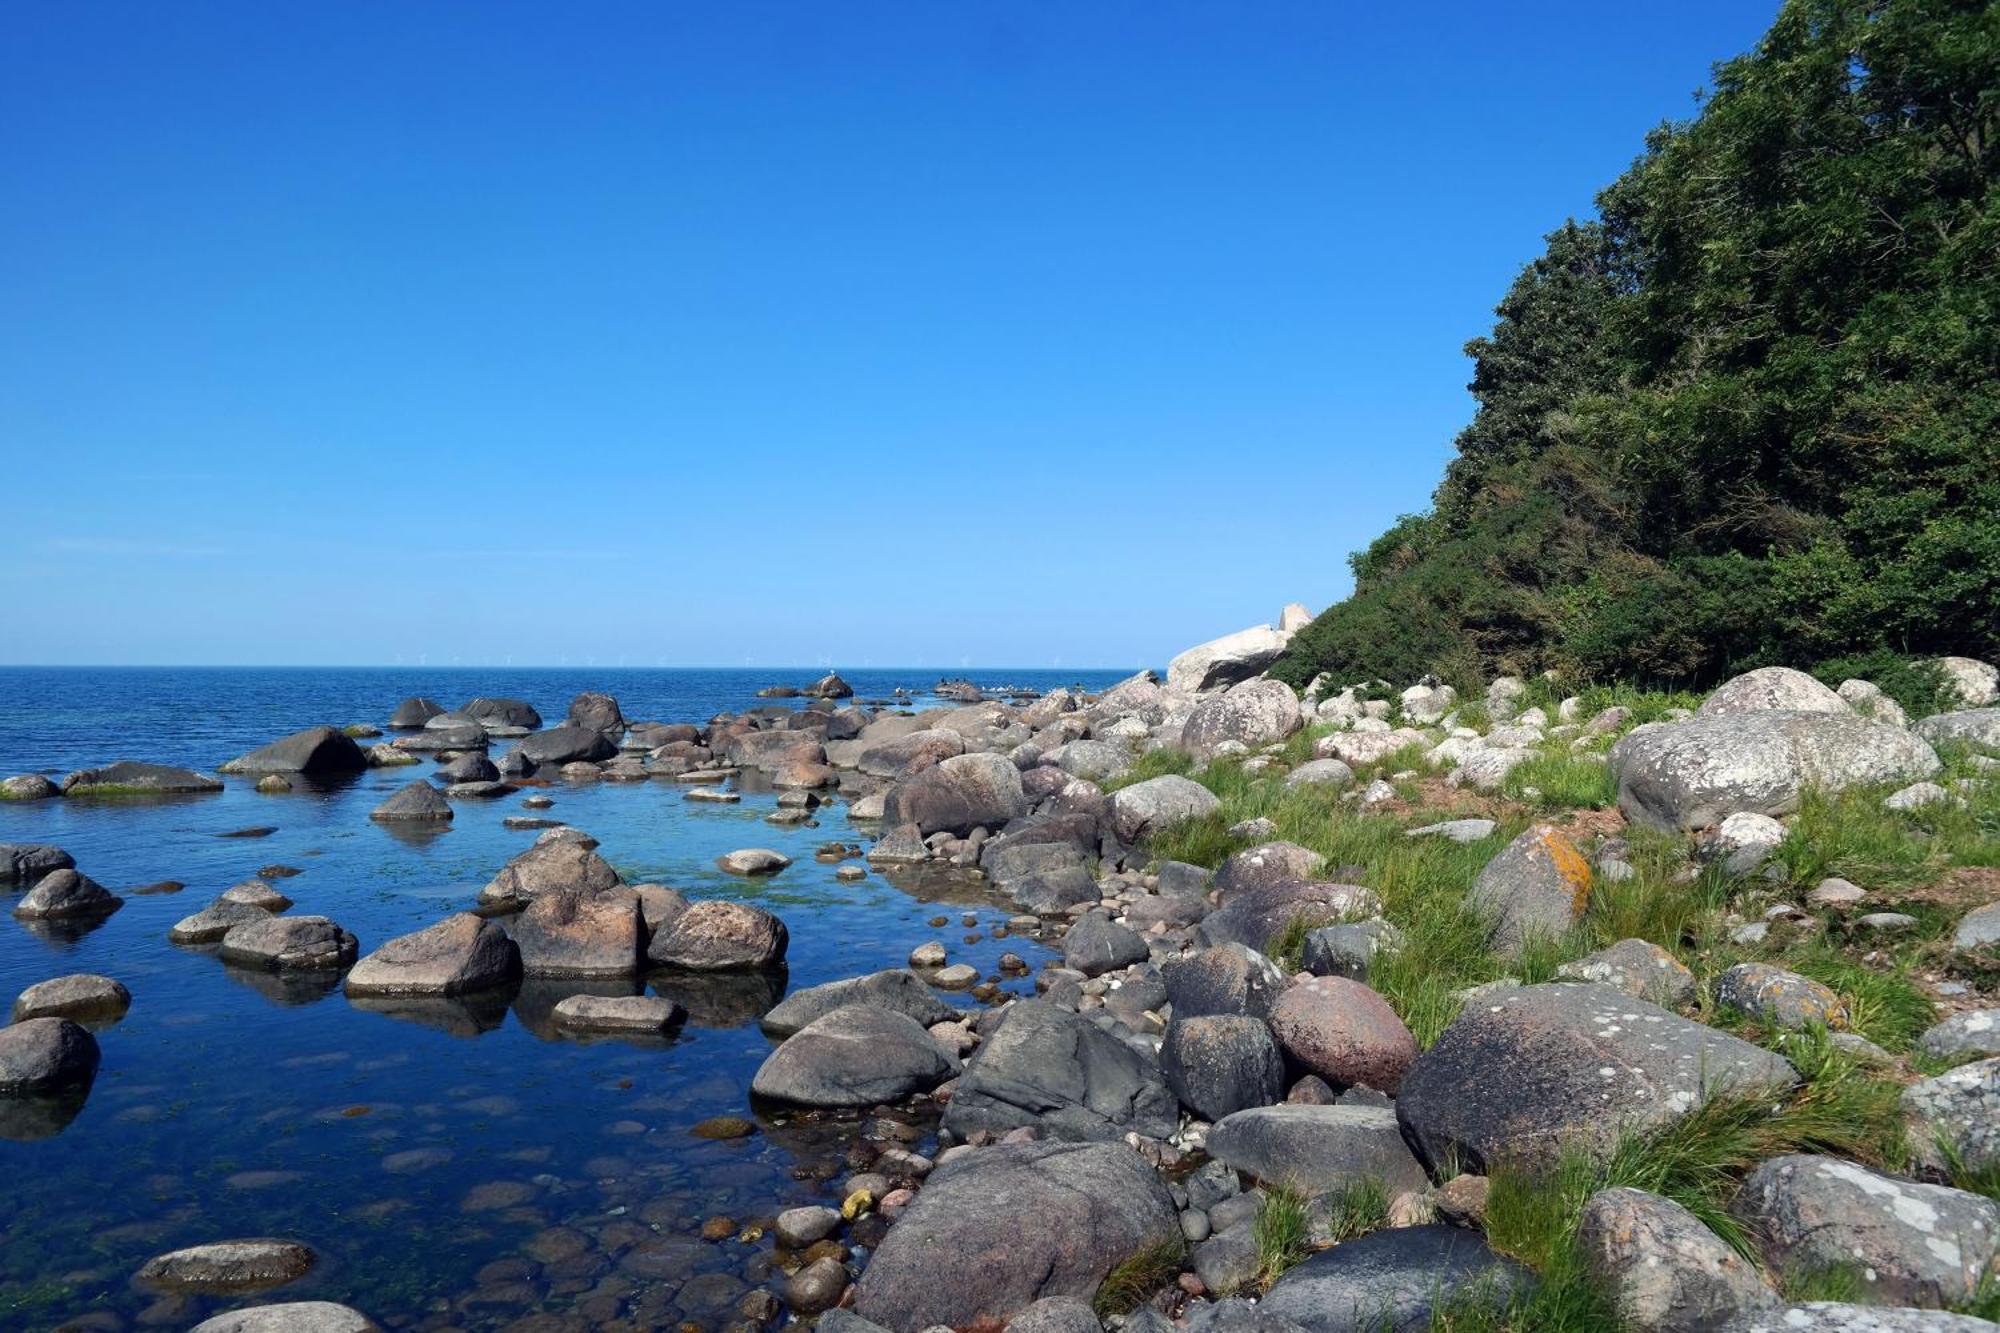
<point>1752,413</point>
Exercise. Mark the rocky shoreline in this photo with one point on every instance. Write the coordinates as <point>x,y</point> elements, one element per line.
<point>1218,1048</point>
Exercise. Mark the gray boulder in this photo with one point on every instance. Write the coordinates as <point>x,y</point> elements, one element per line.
<point>566,744</point>
<point>81,997</point>
<point>1522,1074</point>
<point>581,933</point>
<point>1906,1243</point>
<point>289,944</point>
<point>1349,950</point>
<point>595,711</point>
<point>26,862</point>
<point>1662,1268</point>
<point>1977,728</point>
<point>1096,944</point>
<point>719,936</point>
<point>1314,1149</point>
<point>1262,866</point>
<point>896,989</point>
<point>511,714</point>
<point>1970,1034</point>
<point>1096,760</point>
<point>1092,1206</point>
<point>1224,661</point>
<point>214,921</point>
<point>1048,1068</point>
<point>1772,688</point>
<point>127,778</point>
<point>419,802</point>
<point>1226,979</point>
<point>906,753</point>
<point>64,895</point>
<point>39,1056</point>
<point>316,751</point>
<point>413,712</point>
<point>1251,714</point>
<point>1694,774</point>
<point>27,787</point>
<point>1056,1314</point>
<point>1958,1110</point>
<point>1257,917</point>
<point>1394,1281</point>
<point>640,1015</point>
<point>960,794</point>
<point>550,867</point>
<point>854,1056</point>
<point>1777,998</point>
<point>1979,928</point>
<point>1158,803</point>
<point>1976,683</point>
<point>226,1266</point>
<point>1536,888</point>
<point>1836,1317</point>
<point>1217,1064</point>
<point>291,1317</point>
<point>1639,968</point>
<point>462,954</point>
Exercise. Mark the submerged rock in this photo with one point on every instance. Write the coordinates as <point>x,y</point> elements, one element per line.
<point>229,1266</point>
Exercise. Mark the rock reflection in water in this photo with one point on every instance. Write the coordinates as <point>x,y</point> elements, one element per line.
<point>455,1015</point>
<point>290,989</point>
<point>722,999</point>
<point>25,1119</point>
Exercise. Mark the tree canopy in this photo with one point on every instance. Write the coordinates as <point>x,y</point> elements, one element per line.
<point>1748,415</point>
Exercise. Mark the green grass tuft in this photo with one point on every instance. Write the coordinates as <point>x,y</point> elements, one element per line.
<point>1283,1233</point>
<point>1563,781</point>
<point>1127,1286</point>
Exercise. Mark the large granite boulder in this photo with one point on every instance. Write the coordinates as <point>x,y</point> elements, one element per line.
<point>567,744</point>
<point>1314,1149</point>
<point>1227,660</point>
<point>1051,1069</point>
<point>854,1056</point>
<point>719,936</point>
<point>81,997</point>
<point>1521,1075</point>
<point>289,944</point>
<point>1662,1268</point>
<point>1217,1064</point>
<point>26,862</point>
<point>1975,683</point>
<point>549,867</point>
<point>1772,688</point>
<point>63,895</point>
<point>462,954</point>
<point>907,753</point>
<point>500,715</point>
<point>1976,728</point>
<point>1535,889</point>
<point>1394,1281</point>
<point>290,1317</point>
<point>1251,714</point>
<point>1958,1110</point>
<point>127,778</point>
<point>1096,944</point>
<point>316,752</point>
<point>419,802</point>
<point>40,1056</point>
<point>896,989</point>
<point>1695,774</point>
<point>1906,1243</point>
<point>595,711</point>
<point>1006,1226</point>
<point>1266,864</point>
<point>1158,803</point>
<point>960,794</point>
<point>575,932</point>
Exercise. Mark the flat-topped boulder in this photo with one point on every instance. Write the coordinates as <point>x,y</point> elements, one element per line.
<point>750,862</point>
<point>1087,1208</point>
<point>81,997</point>
<point>577,932</point>
<point>63,895</point>
<point>854,1056</point>
<point>461,954</point>
<point>419,802</point>
<point>229,1266</point>
<point>289,944</point>
<point>130,778</point>
<point>1157,804</point>
<point>1523,1074</point>
<point>39,1056</point>
<point>566,744</point>
<point>316,752</point>
<point>1315,1149</point>
<point>897,989</point>
<point>290,1317</point>
<point>214,921</point>
<point>1051,1069</point>
<point>1696,773</point>
<point>719,936</point>
<point>904,751</point>
<point>650,1015</point>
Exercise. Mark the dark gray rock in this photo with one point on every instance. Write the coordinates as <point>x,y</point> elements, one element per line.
<point>1221,1063</point>
<point>566,745</point>
<point>596,711</point>
<point>413,712</point>
<point>854,1056</point>
<point>1093,1206</point>
<point>1227,979</point>
<point>419,802</point>
<point>1052,892</point>
<point>472,766</point>
<point>959,794</point>
<point>1906,1243</point>
<point>289,944</point>
<point>26,862</point>
<point>1264,865</point>
<point>897,989</point>
<point>462,954</point>
<point>1314,1149</point>
<point>1348,950</point>
<point>1394,1280</point>
<point>1520,1075</point>
<point>1048,1068</point>
<point>1258,916</point>
<point>127,778</point>
<point>39,1056</point>
<point>1096,944</point>
<point>63,895</point>
<point>510,713</point>
<point>316,751</point>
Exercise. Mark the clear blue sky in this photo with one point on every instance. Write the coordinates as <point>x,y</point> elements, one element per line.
<point>929,333</point>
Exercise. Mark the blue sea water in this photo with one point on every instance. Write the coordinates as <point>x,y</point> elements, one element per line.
<point>453,1168</point>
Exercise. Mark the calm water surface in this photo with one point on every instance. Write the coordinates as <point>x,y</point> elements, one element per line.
<point>453,1167</point>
